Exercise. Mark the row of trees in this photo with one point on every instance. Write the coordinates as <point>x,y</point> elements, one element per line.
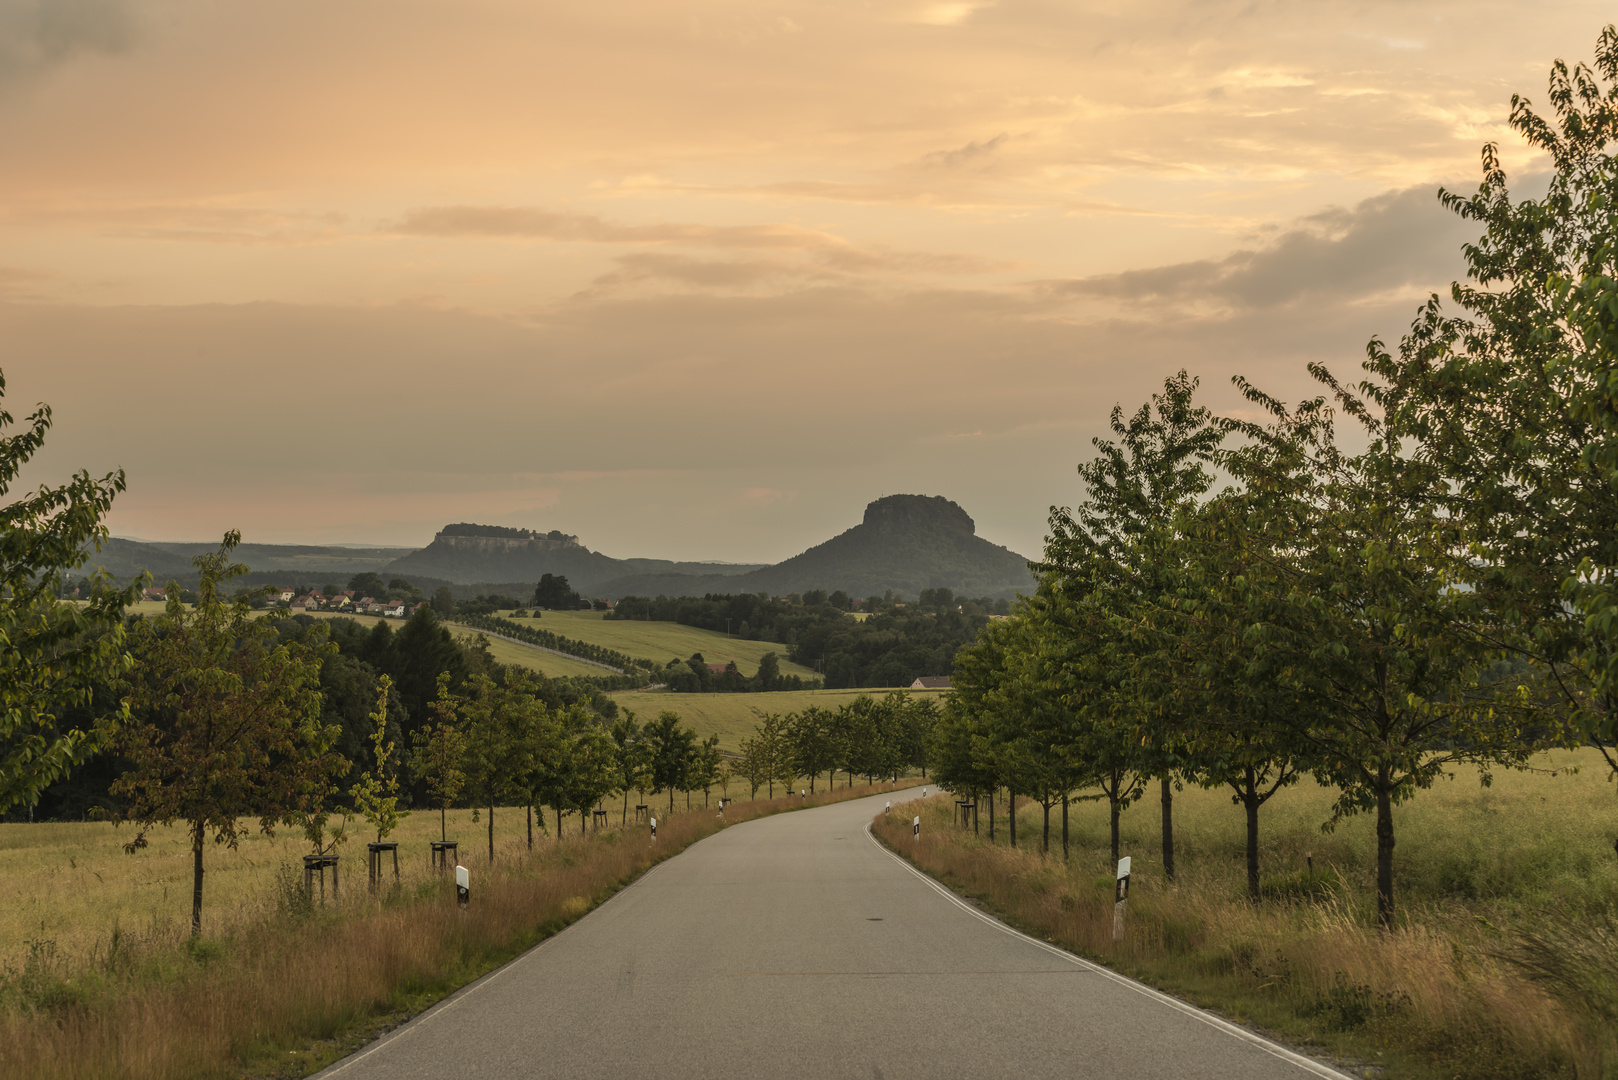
<point>866,737</point>
<point>1370,617</point>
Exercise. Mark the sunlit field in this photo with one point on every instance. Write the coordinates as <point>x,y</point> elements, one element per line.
<point>664,641</point>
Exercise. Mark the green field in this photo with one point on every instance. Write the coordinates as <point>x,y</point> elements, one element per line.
<point>548,664</point>
<point>663,641</point>
<point>733,717</point>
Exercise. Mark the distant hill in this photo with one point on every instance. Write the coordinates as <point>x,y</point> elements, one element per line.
<point>169,561</point>
<point>467,553</point>
<point>906,543</point>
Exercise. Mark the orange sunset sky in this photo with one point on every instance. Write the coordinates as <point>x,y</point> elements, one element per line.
<point>700,279</point>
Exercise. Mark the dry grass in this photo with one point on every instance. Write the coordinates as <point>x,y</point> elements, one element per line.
<point>271,992</point>
<point>1488,880</point>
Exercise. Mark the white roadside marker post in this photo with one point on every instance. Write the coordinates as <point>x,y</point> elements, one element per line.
<point>654,828</point>
<point>915,828</point>
<point>887,808</point>
<point>1120,896</point>
<point>924,793</point>
<point>463,886</point>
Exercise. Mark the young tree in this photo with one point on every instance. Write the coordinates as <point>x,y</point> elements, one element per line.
<point>494,720</point>
<point>674,748</point>
<point>225,722</point>
<point>376,796</point>
<point>591,764</point>
<point>631,756</point>
<point>436,763</point>
<point>53,652</point>
<point>706,769</point>
<point>810,737</point>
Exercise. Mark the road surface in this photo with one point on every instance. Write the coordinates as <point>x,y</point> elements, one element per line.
<point>795,946</point>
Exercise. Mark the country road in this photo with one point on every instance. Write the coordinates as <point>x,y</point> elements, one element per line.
<point>795,946</point>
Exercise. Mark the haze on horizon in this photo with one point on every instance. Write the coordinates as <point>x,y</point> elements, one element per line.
<point>700,281</point>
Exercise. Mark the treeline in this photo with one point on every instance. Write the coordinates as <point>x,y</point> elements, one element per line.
<point>897,642</point>
<point>865,737</point>
<point>1439,587</point>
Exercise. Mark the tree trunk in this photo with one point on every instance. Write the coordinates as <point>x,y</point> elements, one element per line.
<point>1250,802</point>
<point>671,801</point>
<point>582,830</point>
<point>491,830</point>
<point>1168,829</point>
<point>625,820</point>
<point>530,826</point>
<point>991,815</point>
<point>1112,800</point>
<point>1384,852</point>
<point>1064,828</point>
<point>1011,801</point>
<point>1045,840</point>
<point>443,823</point>
<point>196,879</point>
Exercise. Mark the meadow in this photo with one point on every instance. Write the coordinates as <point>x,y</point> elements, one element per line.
<point>734,717</point>
<point>663,641</point>
<point>1503,963</point>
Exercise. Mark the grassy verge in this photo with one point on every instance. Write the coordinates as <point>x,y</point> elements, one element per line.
<point>289,991</point>
<point>1517,984</point>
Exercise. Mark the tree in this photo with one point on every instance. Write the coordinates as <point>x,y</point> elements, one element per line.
<point>673,750</point>
<point>811,741</point>
<point>438,751</point>
<point>1502,394</point>
<point>493,718</point>
<point>376,796</point>
<point>632,757</point>
<point>225,722</point>
<point>553,591</point>
<point>368,583</point>
<point>443,602</point>
<point>1356,612</point>
<point>591,769</point>
<point>1134,488</point>
<point>53,653</point>
<point>706,769</point>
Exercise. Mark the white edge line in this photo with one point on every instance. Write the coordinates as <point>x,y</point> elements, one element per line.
<point>1308,1064</point>
<point>454,999</point>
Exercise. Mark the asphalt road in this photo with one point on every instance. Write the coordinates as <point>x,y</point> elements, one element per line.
<point>795,946</point>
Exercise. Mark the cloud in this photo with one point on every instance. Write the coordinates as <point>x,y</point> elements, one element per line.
<point>794,252</point>
<point>965,155</point>
<point>38,34</point>
<point>1394,241</point>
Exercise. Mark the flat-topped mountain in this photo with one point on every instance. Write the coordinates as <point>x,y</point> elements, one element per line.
<point>905,543</point>
<point>466,553</point>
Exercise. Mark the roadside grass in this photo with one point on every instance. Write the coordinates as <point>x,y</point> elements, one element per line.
<point>70,889</point>
<point>1504,962</point>
<point>734,717</point>
<point>664,641</point>
<point>292,985</point>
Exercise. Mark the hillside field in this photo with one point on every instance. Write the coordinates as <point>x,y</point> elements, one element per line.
<point>735,716</point>
<point>662,641</point>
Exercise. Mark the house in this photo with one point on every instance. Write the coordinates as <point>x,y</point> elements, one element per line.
<point>931,682</point>
<point>717,669</point>
<point>153,594</point>
<point>285,596</point>
<point>312,601</point>
<point>394,609</point>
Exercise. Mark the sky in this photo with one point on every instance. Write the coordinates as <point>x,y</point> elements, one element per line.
<point>700,280</point>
